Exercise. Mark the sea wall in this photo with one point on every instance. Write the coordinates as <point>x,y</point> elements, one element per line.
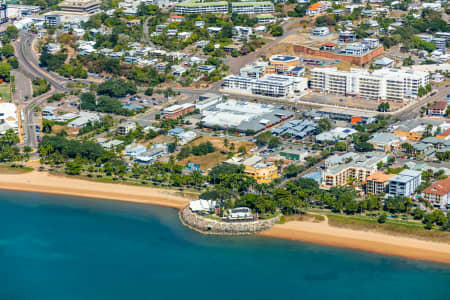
<point>210,226</point>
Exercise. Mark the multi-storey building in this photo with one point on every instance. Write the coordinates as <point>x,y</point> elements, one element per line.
<point>356,170</point>
<point>252,7</point>
<point>80,6</point>
<point>196,7</point>
<point>175,111</point>
<point>377,183</point>
<point>438,194</point>
<point>269,85</point>
<point>405,183</point>
<point>262,172</point>
<point>318,8</point>
<point>280,64</point>
<point>385,84</point>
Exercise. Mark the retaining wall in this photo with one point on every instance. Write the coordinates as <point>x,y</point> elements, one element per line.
<point>210,226</point>
<point>357,60</point>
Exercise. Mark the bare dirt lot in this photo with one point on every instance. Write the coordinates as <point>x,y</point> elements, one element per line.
<point>348,101</point>
<point>221,154</point>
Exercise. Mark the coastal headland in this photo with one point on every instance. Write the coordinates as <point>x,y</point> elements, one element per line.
<point>307,231</point>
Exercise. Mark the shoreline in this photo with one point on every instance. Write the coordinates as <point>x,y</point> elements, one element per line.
<point>305,231</point>
<point>368,241</point>
<point>43,182</point>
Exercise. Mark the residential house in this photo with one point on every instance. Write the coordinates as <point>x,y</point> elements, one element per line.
<point>438,194</point>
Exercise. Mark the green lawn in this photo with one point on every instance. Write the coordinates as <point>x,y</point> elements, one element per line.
<point>5,92</point>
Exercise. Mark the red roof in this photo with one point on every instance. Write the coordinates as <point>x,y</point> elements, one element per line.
<point>329,45</point>
<point>440,187</point>
<point>444,134</point>
<point>439,105</point>
<point>177,17</point>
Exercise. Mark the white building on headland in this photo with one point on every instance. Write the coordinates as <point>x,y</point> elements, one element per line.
<point>385,84</point>
<point>269,85</point>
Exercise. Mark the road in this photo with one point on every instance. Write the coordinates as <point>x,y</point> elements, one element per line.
<point>236,63</point>
<point>28,66</point>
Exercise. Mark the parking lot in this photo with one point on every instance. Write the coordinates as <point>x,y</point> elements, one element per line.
<point>347,101</point>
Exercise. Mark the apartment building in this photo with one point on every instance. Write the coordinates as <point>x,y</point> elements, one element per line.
<point>405,183</point>
<point>175,111</point>
<point>354,170</point>
<point>125,128</point>
<point>378,182</point>
<point>269,85</point>
<point>318,8</point>
<point>384,84</point>
<point>197,7</point>
<point>262,172</point>
<point>438,194</point>
<point>252,7</point>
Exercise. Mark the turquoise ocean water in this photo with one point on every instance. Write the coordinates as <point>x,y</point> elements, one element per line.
<point>55,247</point>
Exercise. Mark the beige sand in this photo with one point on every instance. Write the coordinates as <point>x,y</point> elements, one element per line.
<point>43,182</point>
<point>322,233</point>
<point>319,233</point>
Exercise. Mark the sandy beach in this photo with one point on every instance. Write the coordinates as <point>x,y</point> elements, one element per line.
<point>307,231</point>
<point>43,182</point>
<point>324,234</point>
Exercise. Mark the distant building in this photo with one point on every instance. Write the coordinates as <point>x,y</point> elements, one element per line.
<point>80,6</point>
<point>438,194</point>
<point>125,128</point>
<point>252,7</point>
<point>405,183</point>
<point>438,109</point>
<point>385,84</point>
<point>175,111</point>
<point>378,182</point>
<point>9,118</point>
<point>320,31</point>
<point>386,142</point>
<point>198,7</point>
<point>262,172</point>
<point>318,8</point>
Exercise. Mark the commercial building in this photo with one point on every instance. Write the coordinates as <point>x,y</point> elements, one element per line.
<point>413,130</point>
<point>197,7</point>
<point>252,7</point>
<point>175,111</point>
<point>318,8</point>
<point>386,142</point>
<point>384,84</point>
<point>335,134</point>
<point>8,117</point>
<point>280,64</point>
<point>53,20</point>
<point>295,128</point>
<point>262,172</point>
<point>405,183</point>
<point>357,169</point>
<point>80,6</point>
<point>438,194</point>
<point>243,116</point>
<point>378,182</point>
<point>3,14</point>
<point>269,85</point>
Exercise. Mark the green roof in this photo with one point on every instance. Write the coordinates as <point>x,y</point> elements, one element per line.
<point>251,3</point>
<point>196,3</point>
<point>264,16</point>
